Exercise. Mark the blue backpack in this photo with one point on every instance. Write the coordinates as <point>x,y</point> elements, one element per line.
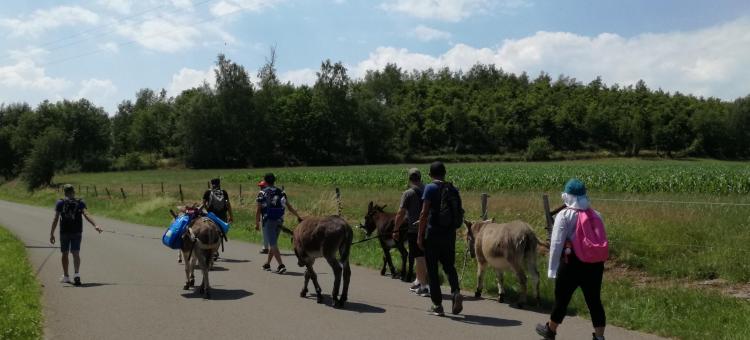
<point>172,238</point>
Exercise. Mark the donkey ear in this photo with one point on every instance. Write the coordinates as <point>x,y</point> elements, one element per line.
<point>370,206</point>
<point>467,223</point>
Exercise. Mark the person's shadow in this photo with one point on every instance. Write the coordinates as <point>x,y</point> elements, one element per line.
<point>90,285</point>
<point>485,321</point>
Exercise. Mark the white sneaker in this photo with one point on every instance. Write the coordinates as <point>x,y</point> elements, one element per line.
<point>65,279</point>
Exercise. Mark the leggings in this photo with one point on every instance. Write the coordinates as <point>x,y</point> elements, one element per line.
<point>441,249</point>
<point>576,274</point>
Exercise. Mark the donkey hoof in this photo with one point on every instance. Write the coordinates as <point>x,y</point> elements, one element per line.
<point>382,273</point>
<point>303,293</point>
<point>501,298</point>
<point>337,303</point>
<point>191,283</point>
<point>478,294</point>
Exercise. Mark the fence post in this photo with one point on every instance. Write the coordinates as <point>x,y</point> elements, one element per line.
<point>108,193</point>
<point>182,198</point>
<point>162,188</point>
<point>141,190</point>
<point>96,194</point>
<point>79,188</point>
<point>123,193</point>
<point>484,206</point>
<point>547,216</point>
<point>240,193</point>
<point>339,208</point>
<point>87,190</point>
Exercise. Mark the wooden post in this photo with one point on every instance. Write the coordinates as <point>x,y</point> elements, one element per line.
<point>96,193</point>
<point>141,190</point>
<point>240,194</point>
<point>108,193</point>
<point>162,188</point>
<point>484,206</point>
<point>339,208</point>
<point>123,193</point>
<point>182,198</point>
<point>87,190</point>
<point>79,188</point>
<point>547,216</point>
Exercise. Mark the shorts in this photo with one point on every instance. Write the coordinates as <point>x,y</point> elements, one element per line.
<point>271,230</point>
<point>70,242</point>
<point>414,250</point>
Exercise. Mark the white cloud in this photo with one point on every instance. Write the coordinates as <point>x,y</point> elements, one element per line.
<point>162,33</point>
<point>32,53</point>
<point>425,33</point>
<point>26,75</point>
<point>182,4</point>
<point>708,62</point>
<point>303,76</point>
<point>119,6</point>
<point>188,78</point>
<point>98,91</point>
<point>451,10</point>
<point>226,7</point>
<point>42,20</point>
<point>111,47</point>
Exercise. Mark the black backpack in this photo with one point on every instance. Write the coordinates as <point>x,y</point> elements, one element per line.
<point>274,209</point>
<point>451,213</point>
<point>71,213</point>
<point>217,202</point>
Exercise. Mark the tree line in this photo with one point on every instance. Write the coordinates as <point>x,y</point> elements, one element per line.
<point>389,115</point>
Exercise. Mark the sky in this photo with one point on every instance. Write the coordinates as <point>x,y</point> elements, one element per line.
<point>106,50</point>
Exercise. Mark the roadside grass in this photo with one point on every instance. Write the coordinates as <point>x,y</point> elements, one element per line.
<point>19,292</point>
<point>672,241</point>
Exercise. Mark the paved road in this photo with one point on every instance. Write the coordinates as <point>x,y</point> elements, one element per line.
<point>132,290</point>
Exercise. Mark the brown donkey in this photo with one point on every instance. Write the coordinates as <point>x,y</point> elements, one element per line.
<point>200,241</point>
<point>330,238</point>
<point>382,222</point>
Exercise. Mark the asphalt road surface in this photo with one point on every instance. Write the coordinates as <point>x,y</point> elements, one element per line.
<point>132,289</point>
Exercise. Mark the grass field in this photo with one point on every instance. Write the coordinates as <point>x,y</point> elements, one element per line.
<point>19,292</point>
<point>673,241</point>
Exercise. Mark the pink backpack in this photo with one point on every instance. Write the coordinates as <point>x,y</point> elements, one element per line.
<point>590,243</point>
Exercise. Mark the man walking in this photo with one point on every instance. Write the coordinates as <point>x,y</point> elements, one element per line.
<point>409,210</point>
<point>69,212</point>
<point>272,204</point>
<point>441,215</point>
<point>262,185</point>
<point>216,201</point>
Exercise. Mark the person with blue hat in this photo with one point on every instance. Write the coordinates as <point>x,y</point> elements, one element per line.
<point>574,265</point>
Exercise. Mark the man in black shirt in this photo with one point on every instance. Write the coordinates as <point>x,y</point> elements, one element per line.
<point>69,212</point>
<point>216,200</point>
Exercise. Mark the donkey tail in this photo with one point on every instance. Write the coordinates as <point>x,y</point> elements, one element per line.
<point>346,247</point>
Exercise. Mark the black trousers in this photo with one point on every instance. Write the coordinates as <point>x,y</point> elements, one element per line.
<point>441,249</point>
<point>576,274</point>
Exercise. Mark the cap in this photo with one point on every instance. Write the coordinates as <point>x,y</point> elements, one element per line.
<point>262,184</point>
<point>575,187</point>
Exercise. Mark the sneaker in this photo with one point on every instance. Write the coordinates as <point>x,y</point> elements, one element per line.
<point>267,267</point>
<point>457,303</point>
<point>64,279</point>
<point>597,338</point>
<point>436,310</point>
<point>545,332</point>
<point>423,292</point>
<point>77,280</point>
<point>264,251</point>
<point>415,287</point>
<point>281,269</point>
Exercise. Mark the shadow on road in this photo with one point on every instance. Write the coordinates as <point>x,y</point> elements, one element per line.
<point>90,285</point>
<point>222,259</point>
<point>485,321</point>
<point>220,294</point>
<point>362,308</point>
<point>42,247</point>
<point>216,268</point>
<point>293,273</point>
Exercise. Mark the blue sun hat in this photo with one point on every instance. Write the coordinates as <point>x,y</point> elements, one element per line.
<point>574,195</point>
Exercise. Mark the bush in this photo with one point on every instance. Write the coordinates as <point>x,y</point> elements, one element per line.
<point>539,149</point>
<point>135,161</point>
<point>47,155</point>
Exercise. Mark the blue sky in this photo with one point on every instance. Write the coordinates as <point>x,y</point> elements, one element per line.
<point>106,50</point>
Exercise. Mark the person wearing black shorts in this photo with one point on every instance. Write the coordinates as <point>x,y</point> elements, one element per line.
<point>409,210</point>
<point>69,212</point>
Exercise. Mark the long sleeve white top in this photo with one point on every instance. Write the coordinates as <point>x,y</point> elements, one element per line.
<point>563,230</point>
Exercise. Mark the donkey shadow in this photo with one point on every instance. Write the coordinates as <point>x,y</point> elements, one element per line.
<point>350,306</point>
<point>485,321</point>
<point>220,294</point>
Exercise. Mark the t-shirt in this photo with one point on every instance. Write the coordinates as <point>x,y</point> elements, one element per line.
<point>207,198</point>
<point>74,225</point>
<point>432,195</point>
<point>411,200</point>
<point>264,198</point>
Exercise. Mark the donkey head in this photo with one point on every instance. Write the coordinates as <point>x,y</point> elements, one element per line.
<point>370,218</point>
<point>472,229</point>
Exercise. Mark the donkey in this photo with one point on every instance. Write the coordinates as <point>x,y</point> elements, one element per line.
<point>504,246</point>
<point>330,238</point>
<point>382,222</point>
<point>200,241</point>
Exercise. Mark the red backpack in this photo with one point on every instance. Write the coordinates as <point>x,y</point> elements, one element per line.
<point>590,243</point>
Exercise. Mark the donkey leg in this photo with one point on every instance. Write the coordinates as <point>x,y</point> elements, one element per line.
<point>500,285</point>
<point>318,291</point>
<point>531,267</point>
<point>385,262</point>
<point>389,260</point>
<point>522,282</point>
<point>347,277</point>
<point>336,267</point>
<point>404,259</point>
<point>480,279</point>
<point>303,293</point>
